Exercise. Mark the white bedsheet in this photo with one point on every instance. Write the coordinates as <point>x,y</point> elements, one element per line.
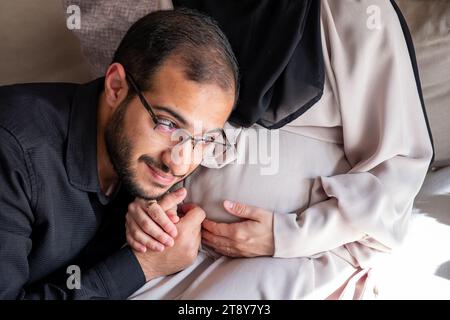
<point>420,269</point>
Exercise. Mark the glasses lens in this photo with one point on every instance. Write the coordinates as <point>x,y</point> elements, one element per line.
<point>220,149</point>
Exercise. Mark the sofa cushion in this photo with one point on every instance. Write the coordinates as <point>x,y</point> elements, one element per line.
<point>429,22</point>
<point>36,44</point>
<point>104,23</point>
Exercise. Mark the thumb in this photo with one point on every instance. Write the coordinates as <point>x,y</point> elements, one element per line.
<point>241,210</point>
<point>172,199</point>
<point>194,216</point>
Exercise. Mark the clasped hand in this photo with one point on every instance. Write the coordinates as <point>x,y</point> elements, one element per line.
<point>154,227</point>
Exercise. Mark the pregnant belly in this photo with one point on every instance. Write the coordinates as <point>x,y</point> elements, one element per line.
<point>275,173</point>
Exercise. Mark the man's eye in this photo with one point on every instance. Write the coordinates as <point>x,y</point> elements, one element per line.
<point>166,125</point>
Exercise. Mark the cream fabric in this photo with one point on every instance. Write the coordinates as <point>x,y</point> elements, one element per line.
<point>348,172</point>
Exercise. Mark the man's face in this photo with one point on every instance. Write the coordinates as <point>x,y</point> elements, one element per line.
<point>146,162</point>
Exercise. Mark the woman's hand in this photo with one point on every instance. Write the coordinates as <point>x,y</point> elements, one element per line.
<point>252,237</point>
<point>153,226</point>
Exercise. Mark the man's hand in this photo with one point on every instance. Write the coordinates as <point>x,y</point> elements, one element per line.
<point>252,237</point>
<point>184,251</point>
<point>153,227</point>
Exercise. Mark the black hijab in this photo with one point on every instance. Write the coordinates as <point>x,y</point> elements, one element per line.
<point>278,46</point>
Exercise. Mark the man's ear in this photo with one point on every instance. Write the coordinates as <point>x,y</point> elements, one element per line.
<point>116,86</point>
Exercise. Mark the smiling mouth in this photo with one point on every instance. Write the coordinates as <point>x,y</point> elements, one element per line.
<point>160,177</point>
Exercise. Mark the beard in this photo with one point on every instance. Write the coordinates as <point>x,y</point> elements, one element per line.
<point>119,148</point>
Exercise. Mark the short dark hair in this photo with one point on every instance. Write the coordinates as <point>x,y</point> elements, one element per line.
<point>191,37</point>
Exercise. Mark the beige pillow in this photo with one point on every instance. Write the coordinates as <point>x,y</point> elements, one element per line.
<point>429,21</point>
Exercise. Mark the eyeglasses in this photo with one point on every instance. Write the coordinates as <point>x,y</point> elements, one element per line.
<point>214,143</point>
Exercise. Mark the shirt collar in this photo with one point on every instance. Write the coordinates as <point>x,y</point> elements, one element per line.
<point>81,153</point>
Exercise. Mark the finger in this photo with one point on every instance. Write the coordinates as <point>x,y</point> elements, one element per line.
<point>172,199</point>
<point>139,211</point>
<point>160,217</point>
<point>221,229</point>
<point>194,217</point>
<point>146,223</point>
<point>137,236</point>
<point>218,241</point>
<point>173,215</point>
<point>230,252</point>
<point>134,244</point>
<point>241,210</point>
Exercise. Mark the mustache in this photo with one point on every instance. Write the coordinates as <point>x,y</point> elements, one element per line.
<point>158,165</point>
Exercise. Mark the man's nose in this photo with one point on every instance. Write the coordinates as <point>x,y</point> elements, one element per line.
<point>178,159</point>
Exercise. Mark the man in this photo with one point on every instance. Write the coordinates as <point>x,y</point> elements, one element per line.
<point>72,157</point>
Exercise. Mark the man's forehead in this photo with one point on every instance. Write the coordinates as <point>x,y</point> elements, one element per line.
<point>190,101</point>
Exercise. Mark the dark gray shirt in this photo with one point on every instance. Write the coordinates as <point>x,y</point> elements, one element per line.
<point>52,211</point>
